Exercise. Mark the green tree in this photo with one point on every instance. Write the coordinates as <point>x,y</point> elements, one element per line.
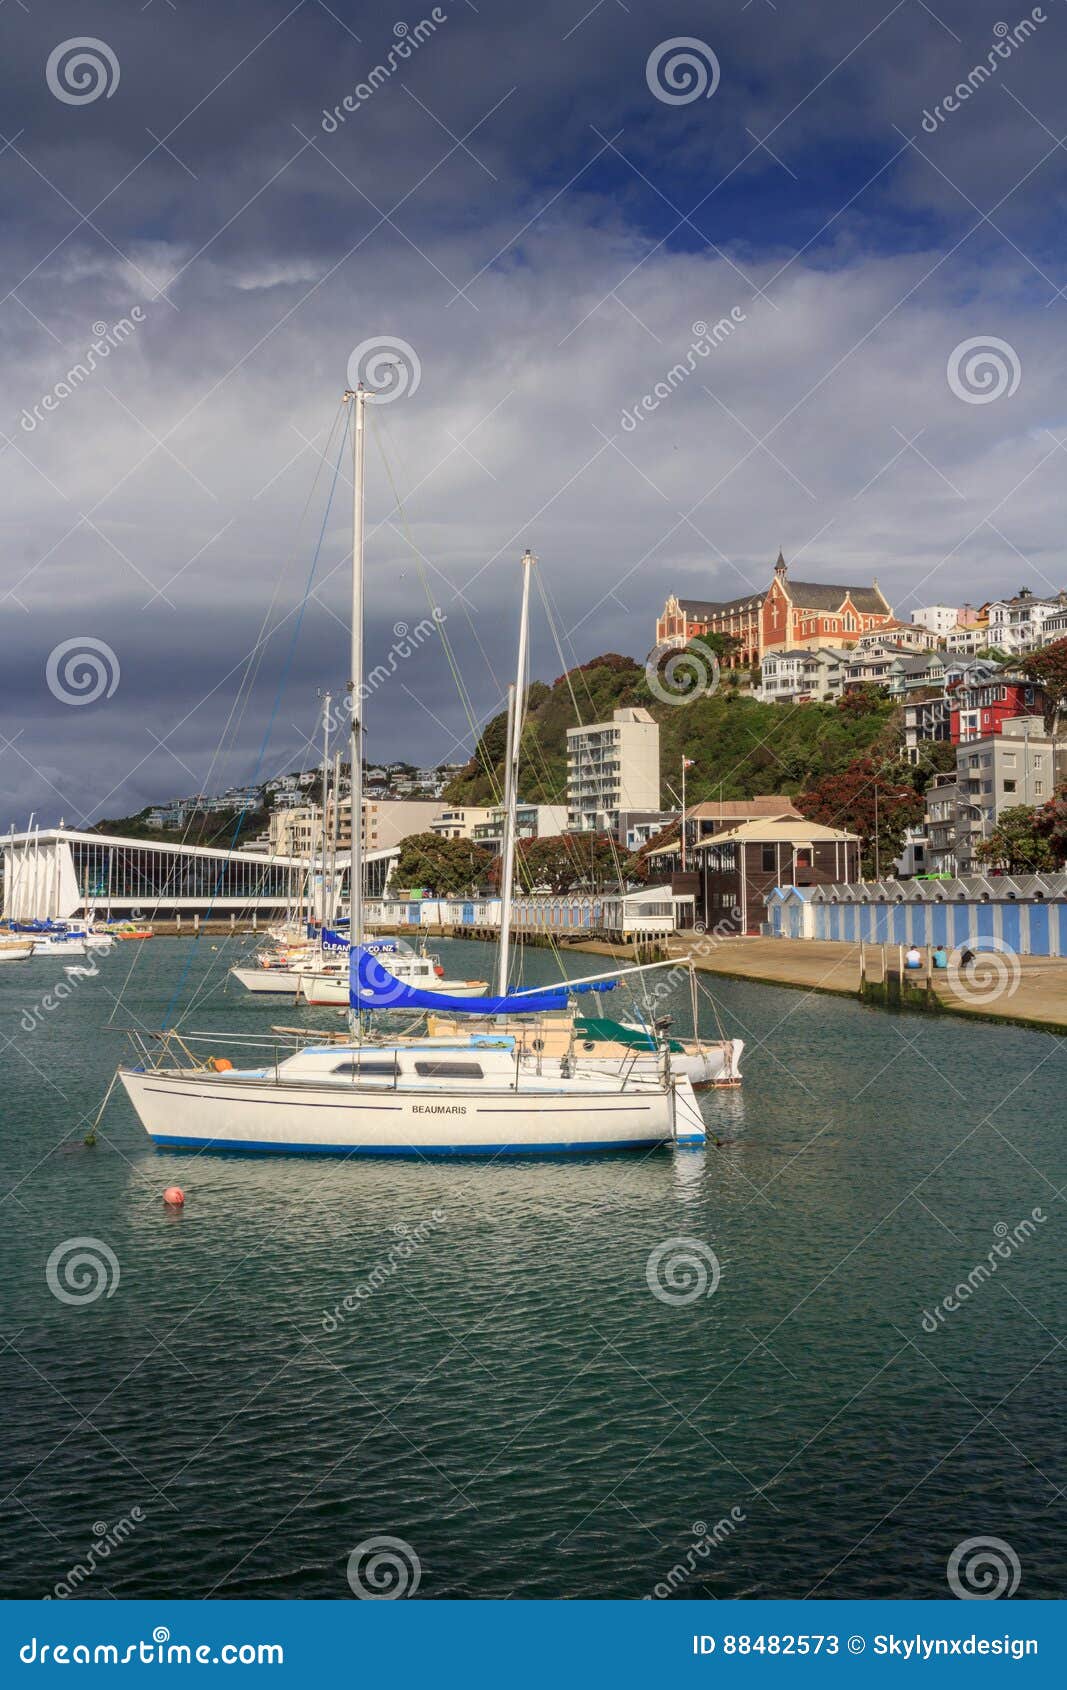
<point>445,867</point>
<point>565,862</point>
<point>1049,668</point>
<point>1018,844</point>
<point>867,799</point>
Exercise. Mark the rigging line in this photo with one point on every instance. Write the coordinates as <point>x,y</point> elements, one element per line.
<point>551,619</point>
<point>461,688</point>
<point>255,659</point>
<point>278,695</point>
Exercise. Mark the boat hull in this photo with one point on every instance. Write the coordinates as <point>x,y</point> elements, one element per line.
<point>205,1112</point>
<point>270,982</point>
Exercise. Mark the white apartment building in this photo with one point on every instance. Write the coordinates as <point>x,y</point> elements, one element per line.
<point>1019,624</point>
<point>800,674</point>
<point>459,823</point>
<point>967,641</point>
<point>940,619</point>
<point>612,766</point>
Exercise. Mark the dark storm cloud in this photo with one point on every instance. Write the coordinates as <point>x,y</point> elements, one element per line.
<point>513,201</point>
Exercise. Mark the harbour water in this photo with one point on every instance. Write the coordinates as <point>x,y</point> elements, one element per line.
<point>718,1373</point>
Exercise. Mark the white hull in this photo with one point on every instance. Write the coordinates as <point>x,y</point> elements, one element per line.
<point>15,953</point>
<point>201,1111</point>
<point>273,982</point>
<point>711,1065</point>
<point>59,947</point>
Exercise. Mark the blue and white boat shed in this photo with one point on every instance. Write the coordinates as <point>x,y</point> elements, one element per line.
<point>1025,913</point>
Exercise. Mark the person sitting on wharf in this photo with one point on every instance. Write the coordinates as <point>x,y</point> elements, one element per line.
<point>913,958</point>
<point>940,957</point>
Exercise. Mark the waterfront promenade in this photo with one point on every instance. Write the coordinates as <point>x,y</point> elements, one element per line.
<point>1033,989</point>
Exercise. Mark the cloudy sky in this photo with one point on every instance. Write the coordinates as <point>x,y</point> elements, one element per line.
<point>533,207</point>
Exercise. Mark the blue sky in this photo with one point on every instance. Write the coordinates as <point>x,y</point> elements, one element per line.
<point>515,202</point>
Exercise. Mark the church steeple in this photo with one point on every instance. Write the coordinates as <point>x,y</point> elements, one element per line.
<point>779,568</point>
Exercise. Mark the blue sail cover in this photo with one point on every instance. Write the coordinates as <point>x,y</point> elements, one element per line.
<point>371,986</point>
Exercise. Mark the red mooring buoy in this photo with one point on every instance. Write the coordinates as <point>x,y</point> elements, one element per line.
<point>174,1197</point>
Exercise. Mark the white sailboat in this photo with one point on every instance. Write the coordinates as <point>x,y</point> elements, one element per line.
<point>476,1097</point>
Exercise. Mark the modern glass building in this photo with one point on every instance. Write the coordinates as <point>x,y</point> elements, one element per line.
<point>62,873</point>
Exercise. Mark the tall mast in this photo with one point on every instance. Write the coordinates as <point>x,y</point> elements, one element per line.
<point>335,830</point>
<point>516,718</point>
<point>327,699</point>
<point>355,684</point>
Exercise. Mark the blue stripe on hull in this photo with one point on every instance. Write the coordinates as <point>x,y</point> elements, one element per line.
<point>170,1142</point>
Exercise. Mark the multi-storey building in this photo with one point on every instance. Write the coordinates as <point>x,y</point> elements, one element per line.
<point>801,676</point>
<point>1020,765</point>
<point>871,665</point>
<point>532,821</point>
<point>1018,624</point>
<point>459,823</point>
<point>980,708</point>
<point>906,636</point>
<point>787,615</point>
<point>684,620</point>
<point>612,766</point>
<point>938,619</point>
<point>298,832</point>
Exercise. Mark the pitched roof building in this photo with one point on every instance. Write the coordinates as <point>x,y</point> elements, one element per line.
<point>813,613</point>
<point>787,615</point>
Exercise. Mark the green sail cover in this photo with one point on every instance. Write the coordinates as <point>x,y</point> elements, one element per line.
<point>600,1027</point>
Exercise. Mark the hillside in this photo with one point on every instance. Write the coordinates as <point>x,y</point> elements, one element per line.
<point>739,747</point>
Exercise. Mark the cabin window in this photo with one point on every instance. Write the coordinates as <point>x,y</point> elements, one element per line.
<point>449,1070</point>
<point>387,1070</point>
<point>770,856</point>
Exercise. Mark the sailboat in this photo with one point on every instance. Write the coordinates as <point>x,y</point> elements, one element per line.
<point>482,1094</point>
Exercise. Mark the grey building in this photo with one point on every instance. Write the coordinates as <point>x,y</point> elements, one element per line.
<point>1021,765</point>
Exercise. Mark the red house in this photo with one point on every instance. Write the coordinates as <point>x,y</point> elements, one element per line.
<point>979,709</point>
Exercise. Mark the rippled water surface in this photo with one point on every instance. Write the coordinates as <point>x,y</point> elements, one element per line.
<point>513,1401</point>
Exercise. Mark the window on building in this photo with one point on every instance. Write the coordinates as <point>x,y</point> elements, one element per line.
<point>1009,786</point>
<point>769,858</point>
